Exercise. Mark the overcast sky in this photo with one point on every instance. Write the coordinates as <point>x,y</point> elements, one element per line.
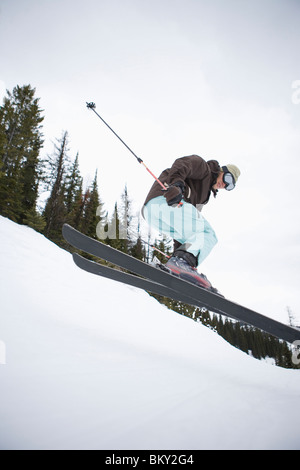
<point>220,79</point>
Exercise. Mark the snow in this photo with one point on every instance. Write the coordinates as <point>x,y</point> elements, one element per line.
<point>88,363</point>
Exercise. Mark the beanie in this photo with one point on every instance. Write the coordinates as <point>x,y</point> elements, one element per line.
<point>234,171</point>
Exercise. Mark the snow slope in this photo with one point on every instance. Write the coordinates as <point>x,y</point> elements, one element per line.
<point>92,364</point>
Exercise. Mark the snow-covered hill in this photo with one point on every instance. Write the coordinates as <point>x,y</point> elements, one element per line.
<point>92,364</point>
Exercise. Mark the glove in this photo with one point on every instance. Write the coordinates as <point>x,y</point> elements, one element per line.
<point>174,193</point>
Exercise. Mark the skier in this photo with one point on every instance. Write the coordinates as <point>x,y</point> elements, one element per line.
<point>176,211</point>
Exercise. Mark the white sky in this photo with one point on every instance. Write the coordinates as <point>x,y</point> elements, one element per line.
<point>176,78</point>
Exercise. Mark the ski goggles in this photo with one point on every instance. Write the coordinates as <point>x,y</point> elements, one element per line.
<point>228,179</point>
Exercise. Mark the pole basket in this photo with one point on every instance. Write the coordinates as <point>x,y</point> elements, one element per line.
<point>91,105</point>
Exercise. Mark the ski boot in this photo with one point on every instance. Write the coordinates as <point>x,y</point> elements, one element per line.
<point>184,265</point>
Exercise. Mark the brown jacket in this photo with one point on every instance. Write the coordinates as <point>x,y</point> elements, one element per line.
<point>197,175</point>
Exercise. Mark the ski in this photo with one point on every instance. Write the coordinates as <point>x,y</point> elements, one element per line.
<point>209,299</point>
<point>134,281</point>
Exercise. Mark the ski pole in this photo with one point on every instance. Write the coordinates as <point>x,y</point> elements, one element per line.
<point>92,106</point>
<point>150,244</point>
<point>156,249</point>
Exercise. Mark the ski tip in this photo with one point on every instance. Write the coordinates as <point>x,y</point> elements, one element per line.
<point>66,231</point>
<point>65,228</point>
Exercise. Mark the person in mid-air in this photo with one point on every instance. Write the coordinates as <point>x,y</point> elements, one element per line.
<point>175,211</point>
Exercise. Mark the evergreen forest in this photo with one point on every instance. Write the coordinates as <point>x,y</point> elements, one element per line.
<point>26,173</point>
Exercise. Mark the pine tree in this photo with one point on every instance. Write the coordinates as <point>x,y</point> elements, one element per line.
<point>10,190</point>
<point>74,198</point>
<point>35,220</point>
<point>75,215</point>
<point>73,185</point>
<point>291,316</point>
<point>124,233</point>
<point>92,210</point>
<point>137,249</point>
<point>117,229</point>
<point>113,231</point>
<point>161,249</point>
<point>55,209</point>
<point>20,144</point>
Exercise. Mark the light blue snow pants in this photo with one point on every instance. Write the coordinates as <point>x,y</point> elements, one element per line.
<point>184,224</point>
